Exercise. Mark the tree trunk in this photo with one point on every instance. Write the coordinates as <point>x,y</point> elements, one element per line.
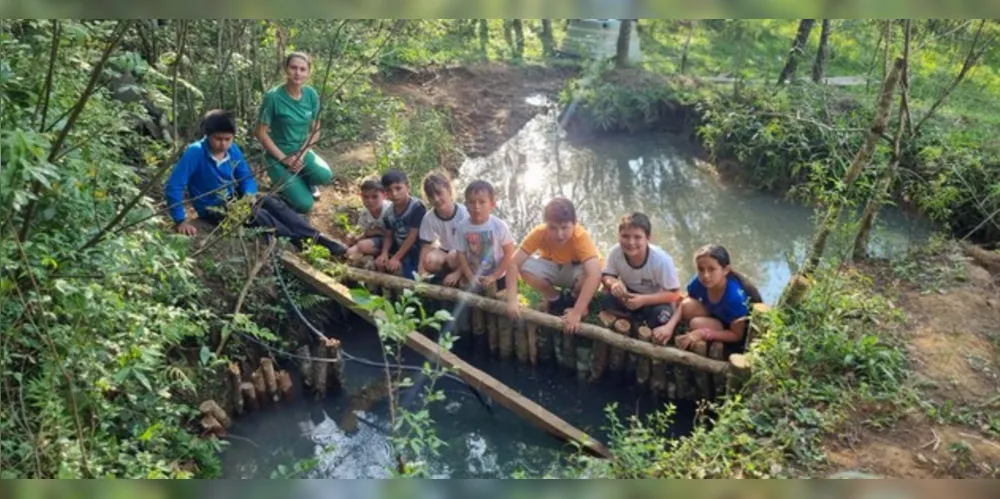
<point>484,37</point>
<point>518,39</point>
<point>860,160</point>
<point>624,36</point>
<point>508,35</point>
<point>798,46</point>
<point>860,250</point>
<point>822,53</point>
<point>548,43</point>
<point>687,44</point>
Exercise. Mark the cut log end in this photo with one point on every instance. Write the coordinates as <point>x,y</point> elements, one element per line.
<point>212,409</point>
<point>285,385</point>
<point>645,333</point>
<point>623,326</point>
<point>606,318</point>
<point>249,396</point>
<point>270,379</point>
<point>739,361</point>
<point>212,426</point>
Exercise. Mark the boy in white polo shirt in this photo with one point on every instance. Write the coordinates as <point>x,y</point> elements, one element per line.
<point>640,278</point>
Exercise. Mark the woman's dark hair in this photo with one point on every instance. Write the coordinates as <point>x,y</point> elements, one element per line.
<point>719,254</point>
<point>218,121</point>
<point>300,55</point>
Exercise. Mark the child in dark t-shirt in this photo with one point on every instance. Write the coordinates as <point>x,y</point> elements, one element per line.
<point>402,225</point>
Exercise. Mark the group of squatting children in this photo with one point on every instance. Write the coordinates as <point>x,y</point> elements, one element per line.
<point>465,245</point>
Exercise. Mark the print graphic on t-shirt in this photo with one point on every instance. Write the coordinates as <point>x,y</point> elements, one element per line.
<point>480,246</point>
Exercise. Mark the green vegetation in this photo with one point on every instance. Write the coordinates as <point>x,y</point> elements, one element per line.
<point>115,328</point>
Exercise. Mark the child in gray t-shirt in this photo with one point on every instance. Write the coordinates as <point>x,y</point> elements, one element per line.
<point>371,221</point>
<point>484,243</point>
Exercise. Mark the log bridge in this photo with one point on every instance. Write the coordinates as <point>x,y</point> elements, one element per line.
<point>537,338</point>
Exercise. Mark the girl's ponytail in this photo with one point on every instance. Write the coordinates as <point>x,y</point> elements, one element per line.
<point>719,254</point>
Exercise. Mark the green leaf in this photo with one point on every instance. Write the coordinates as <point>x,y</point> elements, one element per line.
<point>205,355</point>
<point>144,380</point>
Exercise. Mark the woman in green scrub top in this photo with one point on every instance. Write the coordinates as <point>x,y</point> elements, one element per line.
<point>288,127</point>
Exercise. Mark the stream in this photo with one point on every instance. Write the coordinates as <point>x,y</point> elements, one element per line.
<point>605,178</point>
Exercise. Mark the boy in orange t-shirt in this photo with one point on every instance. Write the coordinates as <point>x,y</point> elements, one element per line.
<point>567,258</point>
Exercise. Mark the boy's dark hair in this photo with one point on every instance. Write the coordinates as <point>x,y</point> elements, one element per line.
<point>436,181</point>
<point>478,186</point>
<point>218,121</point>
<point>559,211</point>
<point>636,220</point>
<point>300,55</point>
<point>394,177</point>
<point>372,184</point>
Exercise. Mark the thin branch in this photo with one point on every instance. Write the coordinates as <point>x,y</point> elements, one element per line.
<point>95,74</point>
<point>970,60</point>
<point>246,288</point>
<point>55,353</point>
<point>181,40</point>
<point>47,90</point>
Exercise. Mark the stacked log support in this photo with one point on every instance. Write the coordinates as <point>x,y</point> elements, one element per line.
<point>305,365</point>
<point>235,378</point>
<point>531,329</point>
<point>584,357</point>
<point>544,340</point>
<point>505,332</point>
<point>521,348</point>
<point>716,350</point>
<point>285,385</point>
<point>260,388</point>
<point>212,426</point>
<point>479,331</point>
<point>211,409</point>
<point>249,396</point>
<point>270,379</point>
<point>320,371</point>
<point>739,373</point>
<point>701,379</point>
<point>682,380</point>
<point>643,366</point>
<point>599,355</point>
<point>616,356</point>
<point>568,342</point>
<point>492,323</point>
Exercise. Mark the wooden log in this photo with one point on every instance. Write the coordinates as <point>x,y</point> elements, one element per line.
<point>521,349</point>
<point>584,357</point>
<point>305,365</point>
<point>668,373</point>
<point>505,333</point>
<point>235,379</point>
<point>335,368</point>
<point>601,351</point>
<point>323,282</point>
<point>544,343</point>
<point>479,332</point>
<point>285,385</point>
<point>506,396</point>
<point>320,371</point>
<point>260,388</point>
<point>643,364</point>
<point>616,355</point>
<point>701,379</point>
<point>532,330</point>
<point>492,322</point>
<point>738,374</point>
<point>716,350</point>
<point>211,408</point>
<point>568,342</point>
<point>270,380</point>
<point>212,426</point>
<point>249,396</point>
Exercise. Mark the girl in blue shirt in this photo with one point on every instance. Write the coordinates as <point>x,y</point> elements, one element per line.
<point>717,307</point>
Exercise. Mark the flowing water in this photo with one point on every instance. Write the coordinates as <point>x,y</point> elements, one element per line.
<point>605,178</point>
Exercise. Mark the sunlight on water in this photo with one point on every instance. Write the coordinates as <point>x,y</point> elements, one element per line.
<point>660,175</point>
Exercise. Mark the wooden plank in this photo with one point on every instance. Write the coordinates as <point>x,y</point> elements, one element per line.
<point>519,404</point>
<point>507,397</point>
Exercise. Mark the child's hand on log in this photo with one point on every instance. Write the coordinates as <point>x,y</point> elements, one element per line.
<point>571,321</point>
<point>663,334</point>
<point>452,278</point>
<point>513,310</point>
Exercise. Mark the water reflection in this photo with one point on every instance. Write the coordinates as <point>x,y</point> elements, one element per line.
<point>659,175</point>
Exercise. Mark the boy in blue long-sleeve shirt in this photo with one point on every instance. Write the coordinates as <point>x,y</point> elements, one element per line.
<point>213,170</point>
